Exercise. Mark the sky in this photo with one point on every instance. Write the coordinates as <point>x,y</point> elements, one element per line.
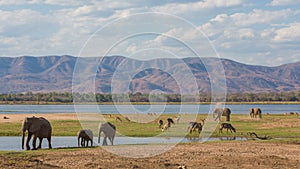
<point>261,32</point>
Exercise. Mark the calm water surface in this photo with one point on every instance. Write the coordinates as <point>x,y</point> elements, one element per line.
<point>15,143</point>
<point>115,109</point>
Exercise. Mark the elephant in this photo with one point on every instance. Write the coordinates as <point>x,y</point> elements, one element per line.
<point>39,128</point>
<point>222,112</point>
<point>109,131</point>
<point>84,136</point>
<point>254,112</point>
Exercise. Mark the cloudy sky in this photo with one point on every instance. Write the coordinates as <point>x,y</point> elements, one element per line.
<point>264,32</point>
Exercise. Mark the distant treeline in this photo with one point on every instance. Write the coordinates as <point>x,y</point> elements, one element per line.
<point>139,97</point>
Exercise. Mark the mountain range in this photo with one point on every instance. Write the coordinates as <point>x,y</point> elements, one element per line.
<point>119,74</point>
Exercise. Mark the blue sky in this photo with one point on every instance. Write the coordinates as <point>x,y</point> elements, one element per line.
<point>264,32</point>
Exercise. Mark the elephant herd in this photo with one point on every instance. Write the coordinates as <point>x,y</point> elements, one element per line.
<point>254,113</point>
<point>39,127</point>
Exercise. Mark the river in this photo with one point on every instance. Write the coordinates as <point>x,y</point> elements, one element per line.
<point>128,109</point>
<point>14,142</point>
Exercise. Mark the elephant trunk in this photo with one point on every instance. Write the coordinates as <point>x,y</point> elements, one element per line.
<point>99,136</point>
<point>23,137</point>
<point>23,134</point>
<point>78,140</point>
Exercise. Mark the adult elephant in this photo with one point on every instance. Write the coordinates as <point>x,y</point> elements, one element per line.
<point>84,136</point>
<point>222,112</point>
<point>255,112</point>
<point>109,130</point>
<point>38,128</point>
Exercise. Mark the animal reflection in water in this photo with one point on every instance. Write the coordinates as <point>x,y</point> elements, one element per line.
<point>109,130</point>
<point>227,138</point>
<point>84,137</point>
<point>226,126</point>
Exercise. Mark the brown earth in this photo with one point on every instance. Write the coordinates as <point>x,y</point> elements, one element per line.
<point>233,154</point>
<point>49,116</point>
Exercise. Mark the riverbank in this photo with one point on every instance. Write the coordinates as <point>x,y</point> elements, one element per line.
<point>67,124</point>
<point>233,154</point>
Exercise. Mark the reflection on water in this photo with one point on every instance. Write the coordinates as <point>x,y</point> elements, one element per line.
<point>14,143</point>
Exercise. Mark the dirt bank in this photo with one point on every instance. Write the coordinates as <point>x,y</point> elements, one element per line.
<point>236,154</point>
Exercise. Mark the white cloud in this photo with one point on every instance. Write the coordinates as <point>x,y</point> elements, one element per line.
<point>260,17</point>
<point>283,2</point>
<point>288,34</point>
<point>17,2</point>
<point>178,8</point>
<point>244,33</point>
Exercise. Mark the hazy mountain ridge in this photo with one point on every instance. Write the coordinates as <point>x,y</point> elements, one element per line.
<point>54,73</point>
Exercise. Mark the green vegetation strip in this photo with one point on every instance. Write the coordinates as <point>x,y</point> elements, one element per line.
<point>276,126</point>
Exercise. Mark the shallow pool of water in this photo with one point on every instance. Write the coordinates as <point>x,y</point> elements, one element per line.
<point>15,143</point>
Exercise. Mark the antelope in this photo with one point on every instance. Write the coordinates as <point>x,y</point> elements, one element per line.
<point>226,126</point>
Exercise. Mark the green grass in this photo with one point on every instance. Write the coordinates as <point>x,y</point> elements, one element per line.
<point>276,126</point>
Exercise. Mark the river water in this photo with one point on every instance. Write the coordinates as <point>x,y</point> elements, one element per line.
<point>129,109</point>
<point>14,142</point>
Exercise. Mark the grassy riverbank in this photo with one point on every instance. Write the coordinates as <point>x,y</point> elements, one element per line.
<point>276,126</point>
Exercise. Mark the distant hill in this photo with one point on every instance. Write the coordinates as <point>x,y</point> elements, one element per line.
<point>54,73</point>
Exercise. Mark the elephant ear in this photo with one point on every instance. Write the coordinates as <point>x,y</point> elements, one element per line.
<point>35,125</point>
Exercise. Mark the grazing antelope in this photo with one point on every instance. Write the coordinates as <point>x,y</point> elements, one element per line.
<point>160,123</point>
<point>170,121</point>
<point>118,119</point>
<point>226,126</point>
<point>127,118</point>
<point>177,119</point>
<point>197,126</point>
<point>166,127</point>
<point>193,126</point>
<point>168,124</point>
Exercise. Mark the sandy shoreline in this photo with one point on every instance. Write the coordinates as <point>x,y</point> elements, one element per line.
<point>49,116</point>
<point>235,154</point>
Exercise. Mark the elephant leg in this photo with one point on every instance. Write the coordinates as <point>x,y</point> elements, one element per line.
<point>82,142</point>
<point>111,140</point>
<point>91,143</point>
<point>228,118</point>
<point>40,144</point>
<point>49,142</point>
<point>28,140</point>
<point>34,142</point>
<point>105,141</point>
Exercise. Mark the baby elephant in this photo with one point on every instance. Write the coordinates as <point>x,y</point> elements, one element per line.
<point>226,126</point>
<point>84,136</point>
